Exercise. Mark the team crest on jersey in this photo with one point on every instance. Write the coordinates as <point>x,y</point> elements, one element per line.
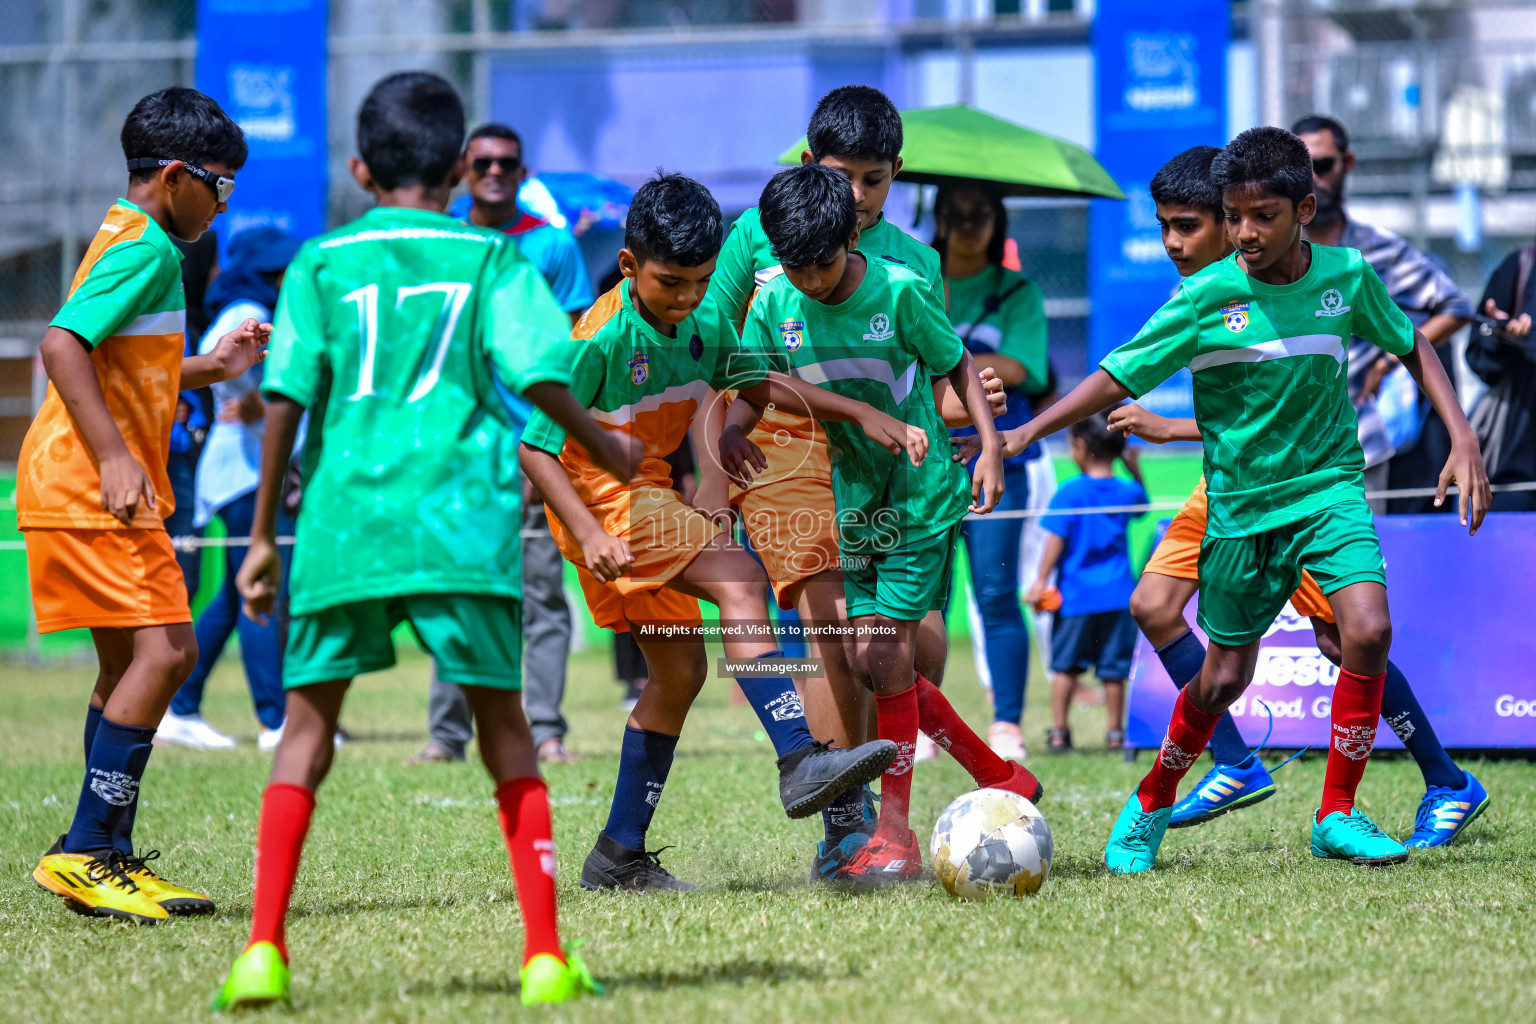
<point>696,347</point>
<point>639,369</point>
<point>793,333</point>
<point>880,328</point>
<point>1333,304</point>
<point>1235,316</point>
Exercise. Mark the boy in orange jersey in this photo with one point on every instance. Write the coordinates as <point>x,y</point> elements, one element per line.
<point>646,354</point>
<point>92,492</point>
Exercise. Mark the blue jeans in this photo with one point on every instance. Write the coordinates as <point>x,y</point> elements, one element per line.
<point>181,468</point>
<point>260,646</point>
<point>992,548</point>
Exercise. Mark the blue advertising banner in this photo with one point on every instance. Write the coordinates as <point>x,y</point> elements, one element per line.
<point>1461,632</point>
<point>264,61</point>
<point>1161,88</point>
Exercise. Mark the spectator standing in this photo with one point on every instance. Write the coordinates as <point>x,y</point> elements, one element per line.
<point>1419,285</point>
<point>225,488</point>
<point>199,268</point>
<point>1092,597</point>
<point>1000,316</point>
<point>1505,361</point>
<point>494,169</point>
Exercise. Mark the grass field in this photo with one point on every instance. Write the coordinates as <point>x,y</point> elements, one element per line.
<point>404,908</point>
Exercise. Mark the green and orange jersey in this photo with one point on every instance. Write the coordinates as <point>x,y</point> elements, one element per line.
<point>792,443</point>
<point>127,306</point>
<point>638,381</point>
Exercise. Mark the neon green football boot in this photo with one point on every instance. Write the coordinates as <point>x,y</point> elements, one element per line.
<point>547,980</point>
<point>1355,838</point>
<point>258,977</point>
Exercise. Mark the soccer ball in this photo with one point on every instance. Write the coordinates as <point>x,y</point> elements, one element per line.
<point>991,842</point>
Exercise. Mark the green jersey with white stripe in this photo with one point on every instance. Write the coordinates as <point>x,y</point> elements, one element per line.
<point>747,262</point>
<point>1271,391</point>
<point>394,330</point>
<point>882,345</point>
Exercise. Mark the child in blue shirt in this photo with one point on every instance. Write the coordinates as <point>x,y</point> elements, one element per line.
<point>1092,597</point>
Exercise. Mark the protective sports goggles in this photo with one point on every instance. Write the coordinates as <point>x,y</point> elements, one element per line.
<point>222,187</point>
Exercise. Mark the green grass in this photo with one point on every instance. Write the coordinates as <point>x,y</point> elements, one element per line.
<point>404,908</point>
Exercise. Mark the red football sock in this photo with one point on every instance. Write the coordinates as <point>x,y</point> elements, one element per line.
<point>896,720</point>
<point>524,814</point>
<point>937,718</point>
<point>1189,730</point>
<point>1356,706</point>
<point>285,813</point>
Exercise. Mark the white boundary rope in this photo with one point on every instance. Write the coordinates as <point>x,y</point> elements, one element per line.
<point>195,543</point>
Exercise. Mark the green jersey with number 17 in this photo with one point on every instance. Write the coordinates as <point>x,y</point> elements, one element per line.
<point>393,330</point>
<point>882,345</point>
<point>1270,382</point>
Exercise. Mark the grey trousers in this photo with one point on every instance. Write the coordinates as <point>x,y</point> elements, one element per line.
<point>546,646</point>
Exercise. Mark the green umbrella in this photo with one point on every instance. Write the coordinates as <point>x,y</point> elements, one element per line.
<point>947,145</point>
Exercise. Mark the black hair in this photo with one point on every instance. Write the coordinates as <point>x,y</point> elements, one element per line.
<point>181,124</point>
<point>673,219</point>
<point>996,246</point>
<point>410,130</point>
<point>808,214</point>
<point>1313,123</point>
<point>1271,158</point>
<point>856,121</point>
<point>494,130</point>
<point>1101,442</point>
<point>1186,181</point>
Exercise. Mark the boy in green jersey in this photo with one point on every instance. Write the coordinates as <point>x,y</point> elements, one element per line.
<point>648,354</point>
<point>784,499</point>
<point>868,329</point>
<point>1264,332</point>
<point>394,332</point>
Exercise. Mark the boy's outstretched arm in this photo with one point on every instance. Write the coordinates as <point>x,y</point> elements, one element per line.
<point>261,573</point>
<point>1097,392</point>
<point>1150,427</point>
<point>619,456</point>
<point>1050,554</point>
<point>67,361</point>
<point>987,475</point>
<point>236,352</point>
<point>788,392</point>
<point>606,556</point>
<point>1464,467</point>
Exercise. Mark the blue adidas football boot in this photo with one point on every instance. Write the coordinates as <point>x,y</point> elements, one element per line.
<point>1444,812</point>
<point>830,860</point>
<point>1224,788</point>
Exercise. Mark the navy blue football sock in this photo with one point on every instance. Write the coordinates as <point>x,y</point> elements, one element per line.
<point>843,815</point>
<point>1402,711</point>
<point>778,707</point>
<point>92,720</point>
<point>644,762</point>
<point>111,789</point>
<point>1182,659</point>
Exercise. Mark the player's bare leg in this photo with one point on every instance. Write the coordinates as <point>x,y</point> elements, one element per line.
<point>308,745</point>
<point>1157,605</point>
<point>163,657</point>
<point>836,706</point>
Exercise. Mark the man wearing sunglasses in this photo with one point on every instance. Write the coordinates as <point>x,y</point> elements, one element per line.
<point>1421,288</point>
<point>493,168</point>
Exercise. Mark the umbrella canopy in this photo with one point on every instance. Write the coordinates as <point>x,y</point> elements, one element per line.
<point>948,145</point>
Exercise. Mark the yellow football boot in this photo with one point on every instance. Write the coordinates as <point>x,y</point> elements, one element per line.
<point>174,898</point>
<point>96,884</point>
<point>546,980</point>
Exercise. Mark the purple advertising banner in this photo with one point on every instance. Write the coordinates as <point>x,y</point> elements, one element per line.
<point>1463,632</point>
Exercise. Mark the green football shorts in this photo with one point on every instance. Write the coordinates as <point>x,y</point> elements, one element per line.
<point>907,583</point>
<point>1245,581</point>
<point>477,639</point>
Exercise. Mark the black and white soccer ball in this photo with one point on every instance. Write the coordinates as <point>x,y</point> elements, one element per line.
<point>991,842</point>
